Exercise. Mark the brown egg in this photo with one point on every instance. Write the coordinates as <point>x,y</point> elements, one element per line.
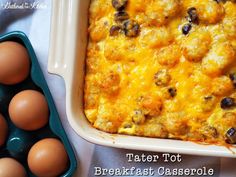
<point>14,63</point>
<point>28,110</point>
<point>11,168</point>
<point>48,158</point>
<point>3,130</point>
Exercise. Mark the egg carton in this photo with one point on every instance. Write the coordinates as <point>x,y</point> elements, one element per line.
<point>19,141</point>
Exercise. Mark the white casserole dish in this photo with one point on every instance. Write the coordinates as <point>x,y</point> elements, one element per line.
<point>66,58</point>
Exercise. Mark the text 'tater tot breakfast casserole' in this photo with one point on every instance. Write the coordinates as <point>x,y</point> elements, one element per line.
<point>163,68</point>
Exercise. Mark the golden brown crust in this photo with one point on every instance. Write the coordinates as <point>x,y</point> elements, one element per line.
<point>163,72</point>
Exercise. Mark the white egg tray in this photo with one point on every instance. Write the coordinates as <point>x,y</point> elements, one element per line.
<point>68,42</point>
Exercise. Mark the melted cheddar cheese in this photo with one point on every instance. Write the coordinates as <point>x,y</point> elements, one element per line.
<point>173,78</point>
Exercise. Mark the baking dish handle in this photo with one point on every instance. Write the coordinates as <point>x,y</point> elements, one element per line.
<point>62,37</point>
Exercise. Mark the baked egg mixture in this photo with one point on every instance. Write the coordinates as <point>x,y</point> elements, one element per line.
<point>163,68</point>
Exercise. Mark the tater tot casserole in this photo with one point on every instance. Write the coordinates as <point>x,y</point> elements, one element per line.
<point>163,68</point>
